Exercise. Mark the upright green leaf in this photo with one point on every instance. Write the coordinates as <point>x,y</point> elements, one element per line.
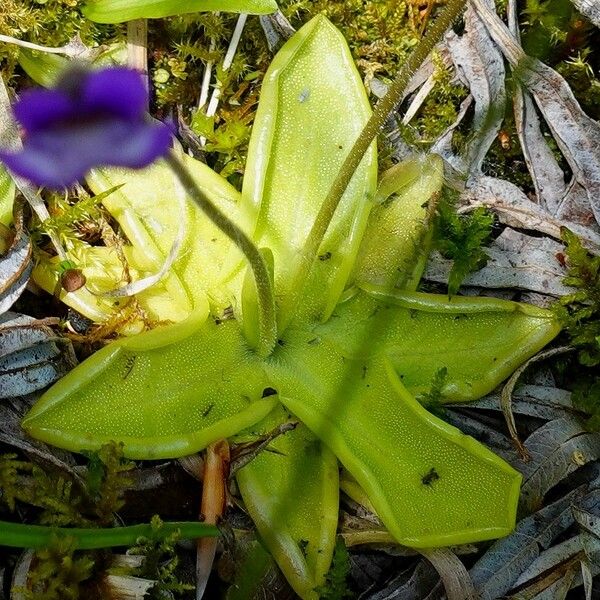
<point>117,11</point>
<point>312,107</point>
<point>42,67</point>
<point>7,197</point>
<point>396,243</point>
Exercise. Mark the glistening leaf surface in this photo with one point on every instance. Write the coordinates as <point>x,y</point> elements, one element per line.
<point>304,128</point>
<point>479,341</point>
<point>396,243</point>
<point>292,494</point>
<point>165,393</point>
<point>430,484</point>
<point>302,132</point>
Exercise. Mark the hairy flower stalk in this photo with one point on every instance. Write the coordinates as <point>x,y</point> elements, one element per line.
<point>370,131</point>
<point>264,286</point>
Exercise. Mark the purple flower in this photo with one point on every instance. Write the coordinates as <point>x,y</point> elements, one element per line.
<point>91,118</point>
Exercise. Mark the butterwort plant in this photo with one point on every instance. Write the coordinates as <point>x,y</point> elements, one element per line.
<point>339,339</point>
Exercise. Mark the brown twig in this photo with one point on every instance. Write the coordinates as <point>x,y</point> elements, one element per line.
<point>214,500</point>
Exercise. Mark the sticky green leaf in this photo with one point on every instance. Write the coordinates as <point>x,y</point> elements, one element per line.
<point>480,341</point>
<point>341,367</point>
<point>303,130</point>
<point>118,11</point>
<point>298,527</point>
<point>42,67</point>
<point>197,377</point>
<point>151,208</point>
<point>395,245</point>
<point>430,484</point>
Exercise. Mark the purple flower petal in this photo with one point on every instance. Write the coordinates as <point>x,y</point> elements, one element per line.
<point>117,91</point>
<point>37,109</point>
<point>144,144</point>
<point>61,156</point>
<point>34,165</point>
<point>91,119</point>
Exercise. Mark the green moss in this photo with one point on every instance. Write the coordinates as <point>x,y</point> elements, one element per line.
<point>161,563</point>
<point>50,497</point>
<point>440,109</point>
<point>579,312</point>
<point>578,71</point>
<point>336,580</point>
<point>48,23</point>
<point>461,238</point>
<point>57,572</point>
<point>380,33</point>
<point>554,32</point>
<point>61,500</point>
<point>433,400</point>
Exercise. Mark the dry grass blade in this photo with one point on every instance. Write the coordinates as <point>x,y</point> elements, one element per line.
<point>11,434</point>
<point>455,577</point>
<point>32,356</point>
<point>496,572</point>
<point>590,9</point>
<point>575,133</point>
<point>507,391</point>
<point>557,449</point>
<point>277,30</point>
<point>540,401</point>
<point>516,261</point>
<point>15,269</point>
<point>482,68</point>
<point>548,178</point>
<point>514,208</point>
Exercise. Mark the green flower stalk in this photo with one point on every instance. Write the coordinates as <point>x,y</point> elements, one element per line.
<point>18,535</point>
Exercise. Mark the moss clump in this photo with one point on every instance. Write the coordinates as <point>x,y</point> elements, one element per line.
<point>58,572</point>
<point>579,313</point>
<point>380,33</point>
<point>554,32</point>
<point>461,238</point>
<point>441,106</point>
<point>48,23</point>
<point>61,500</point>
<point>161,563</point>
<point>54,498</point>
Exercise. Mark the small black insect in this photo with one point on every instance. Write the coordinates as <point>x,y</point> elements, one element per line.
<point>431,476</point>
<point>129,364</point>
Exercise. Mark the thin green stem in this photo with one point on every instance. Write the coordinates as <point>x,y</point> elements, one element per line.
<point>370,131</point>
<point>264,285</point>
<point>18,535</point>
